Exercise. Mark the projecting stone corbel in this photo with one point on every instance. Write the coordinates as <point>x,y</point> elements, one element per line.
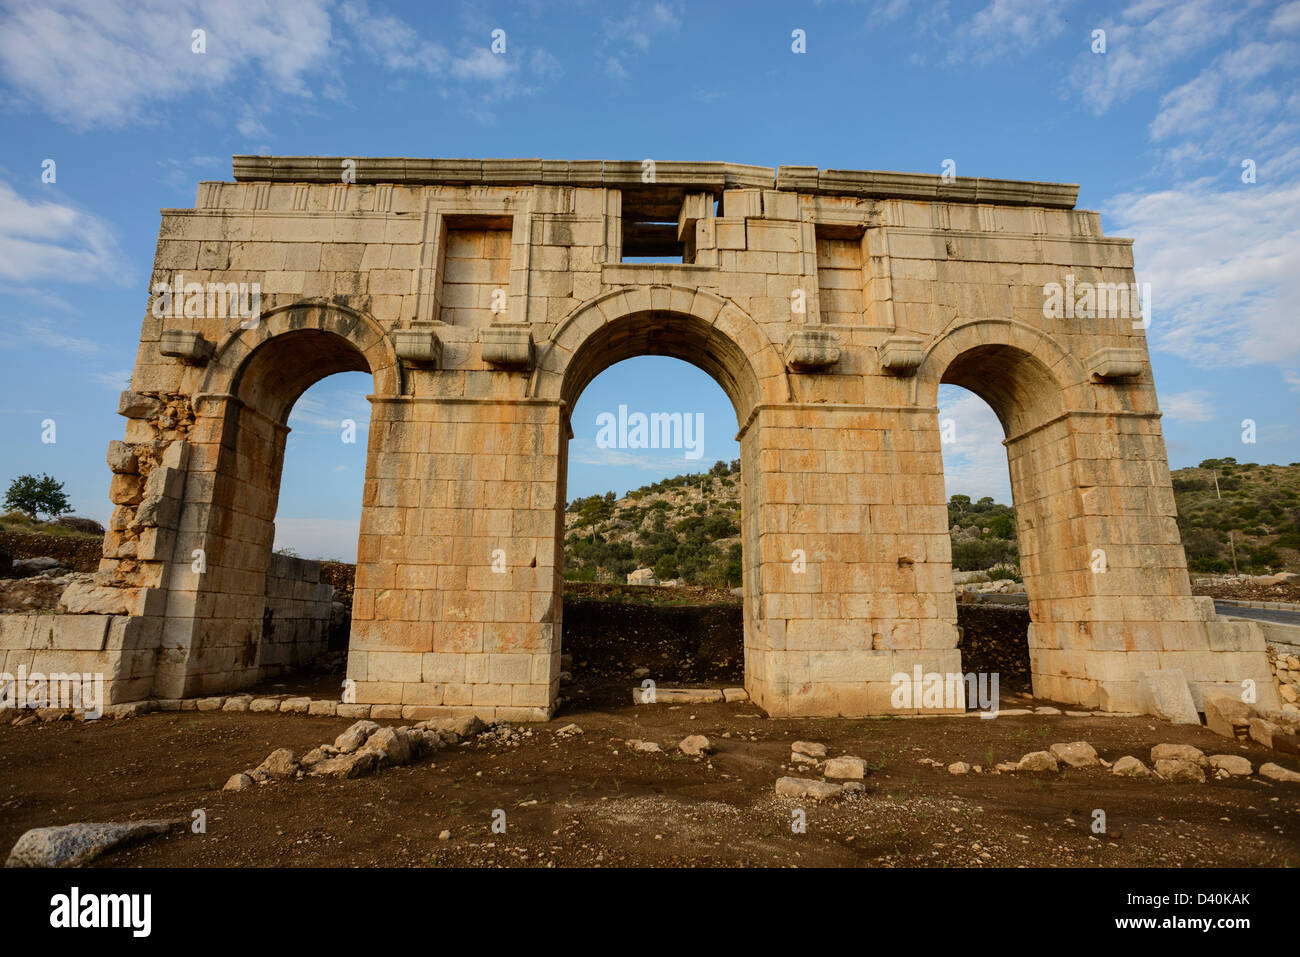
<point>186,345</point>
<point>507,345</point>
<point>1114,363</point>
<point>901,355</point>
<point>421,346</point>
<point>811,350</point>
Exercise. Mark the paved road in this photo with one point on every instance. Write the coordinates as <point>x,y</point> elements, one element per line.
<point>1259,614</point>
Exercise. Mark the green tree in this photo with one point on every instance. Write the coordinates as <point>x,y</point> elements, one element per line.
<point>1003,526</point>
<point>32,494</point>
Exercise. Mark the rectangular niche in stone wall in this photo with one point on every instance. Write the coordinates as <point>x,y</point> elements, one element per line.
<point>475,271</point>
<point>839,274</point>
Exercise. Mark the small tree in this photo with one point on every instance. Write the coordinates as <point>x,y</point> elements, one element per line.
<point>31,494</point>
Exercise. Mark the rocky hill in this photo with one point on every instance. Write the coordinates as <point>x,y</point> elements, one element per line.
<point>684,528</point>
<point>1229,510</point>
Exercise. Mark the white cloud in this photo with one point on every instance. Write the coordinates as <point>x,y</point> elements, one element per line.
<point>1149,37</point>
<point>1009,26</point>
<point>319,537</point>
<point>1292,379</point>
<point>107,63</point>
<point>324,416</point>
<point>392,42</point>
<point>31,333</point>
<point>623,39</point>
<point>1194,406</point>
<point>113,63</point>
<point>975,460</point>
<point>1234,108</point>
<point>1224,269</point>
<point>1286,19</point>
<point>482,64</point>
<point>44,239</point>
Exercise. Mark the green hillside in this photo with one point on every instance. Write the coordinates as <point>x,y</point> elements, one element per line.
<point>1254,514</point>
<point>688,527</point>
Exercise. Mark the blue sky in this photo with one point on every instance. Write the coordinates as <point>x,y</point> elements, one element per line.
<point>1155,130</point>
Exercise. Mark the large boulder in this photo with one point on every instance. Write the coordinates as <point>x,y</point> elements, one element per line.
<point>1076,754</point>
<point>461,729</point>
<point>72,845</point>
<point>1130,767</point>
<point>801,788</point>
<point>695,745</point>
<point>280,763</point>
<point>642,576</point>
<point>1231,765</point>
<point>354,765</point>
<point>1275,772</point>
<point>809,748</point>
<point>355,736</point>
<point>391,744</point>
<point>238,782</point>
<point>1178,752</point>
<point>846,767</point>
<point>1180,771</point>
<point>1038,762</point>
<point>23,567</point>
<point>1226,714</point>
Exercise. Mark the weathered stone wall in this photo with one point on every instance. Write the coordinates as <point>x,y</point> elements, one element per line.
<point>483,296</point>
<point>296,619</point>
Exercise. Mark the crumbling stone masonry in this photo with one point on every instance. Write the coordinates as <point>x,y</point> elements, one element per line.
<point>483,296</point>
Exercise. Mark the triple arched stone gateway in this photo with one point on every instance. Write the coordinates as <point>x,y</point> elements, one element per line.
<point>484,295</point>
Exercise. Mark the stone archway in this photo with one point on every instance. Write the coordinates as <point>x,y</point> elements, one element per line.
<point>217,635</point>
<point>483,295</point>
<point>695,327</point>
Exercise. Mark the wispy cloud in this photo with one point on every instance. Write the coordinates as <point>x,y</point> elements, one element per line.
<point>110,63</point>
<point>1194,406</point>
<point>116,63</point>
<point>1147,39</point>
<point>43,238</point>
<point>624,39</point>
<point>1224,269</point>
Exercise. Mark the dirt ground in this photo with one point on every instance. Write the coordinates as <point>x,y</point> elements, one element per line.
<point>589,799</point>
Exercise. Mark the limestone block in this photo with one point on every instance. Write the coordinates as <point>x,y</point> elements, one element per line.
<point>126,490</point>
<point>80,632</point>
<point>1166,694</point>
<point>1114,363</point>
<point>1226,714</point>
<point>508,346</point>
<point>187,345</point>
<point>812,350</point>
<point>420,346</point>
<point>137,405</point>
<point>84,598</point>
<point>122,458</point>
<point>901,355</point>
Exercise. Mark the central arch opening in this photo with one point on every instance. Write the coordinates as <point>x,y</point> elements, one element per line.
<point>652,486</point>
